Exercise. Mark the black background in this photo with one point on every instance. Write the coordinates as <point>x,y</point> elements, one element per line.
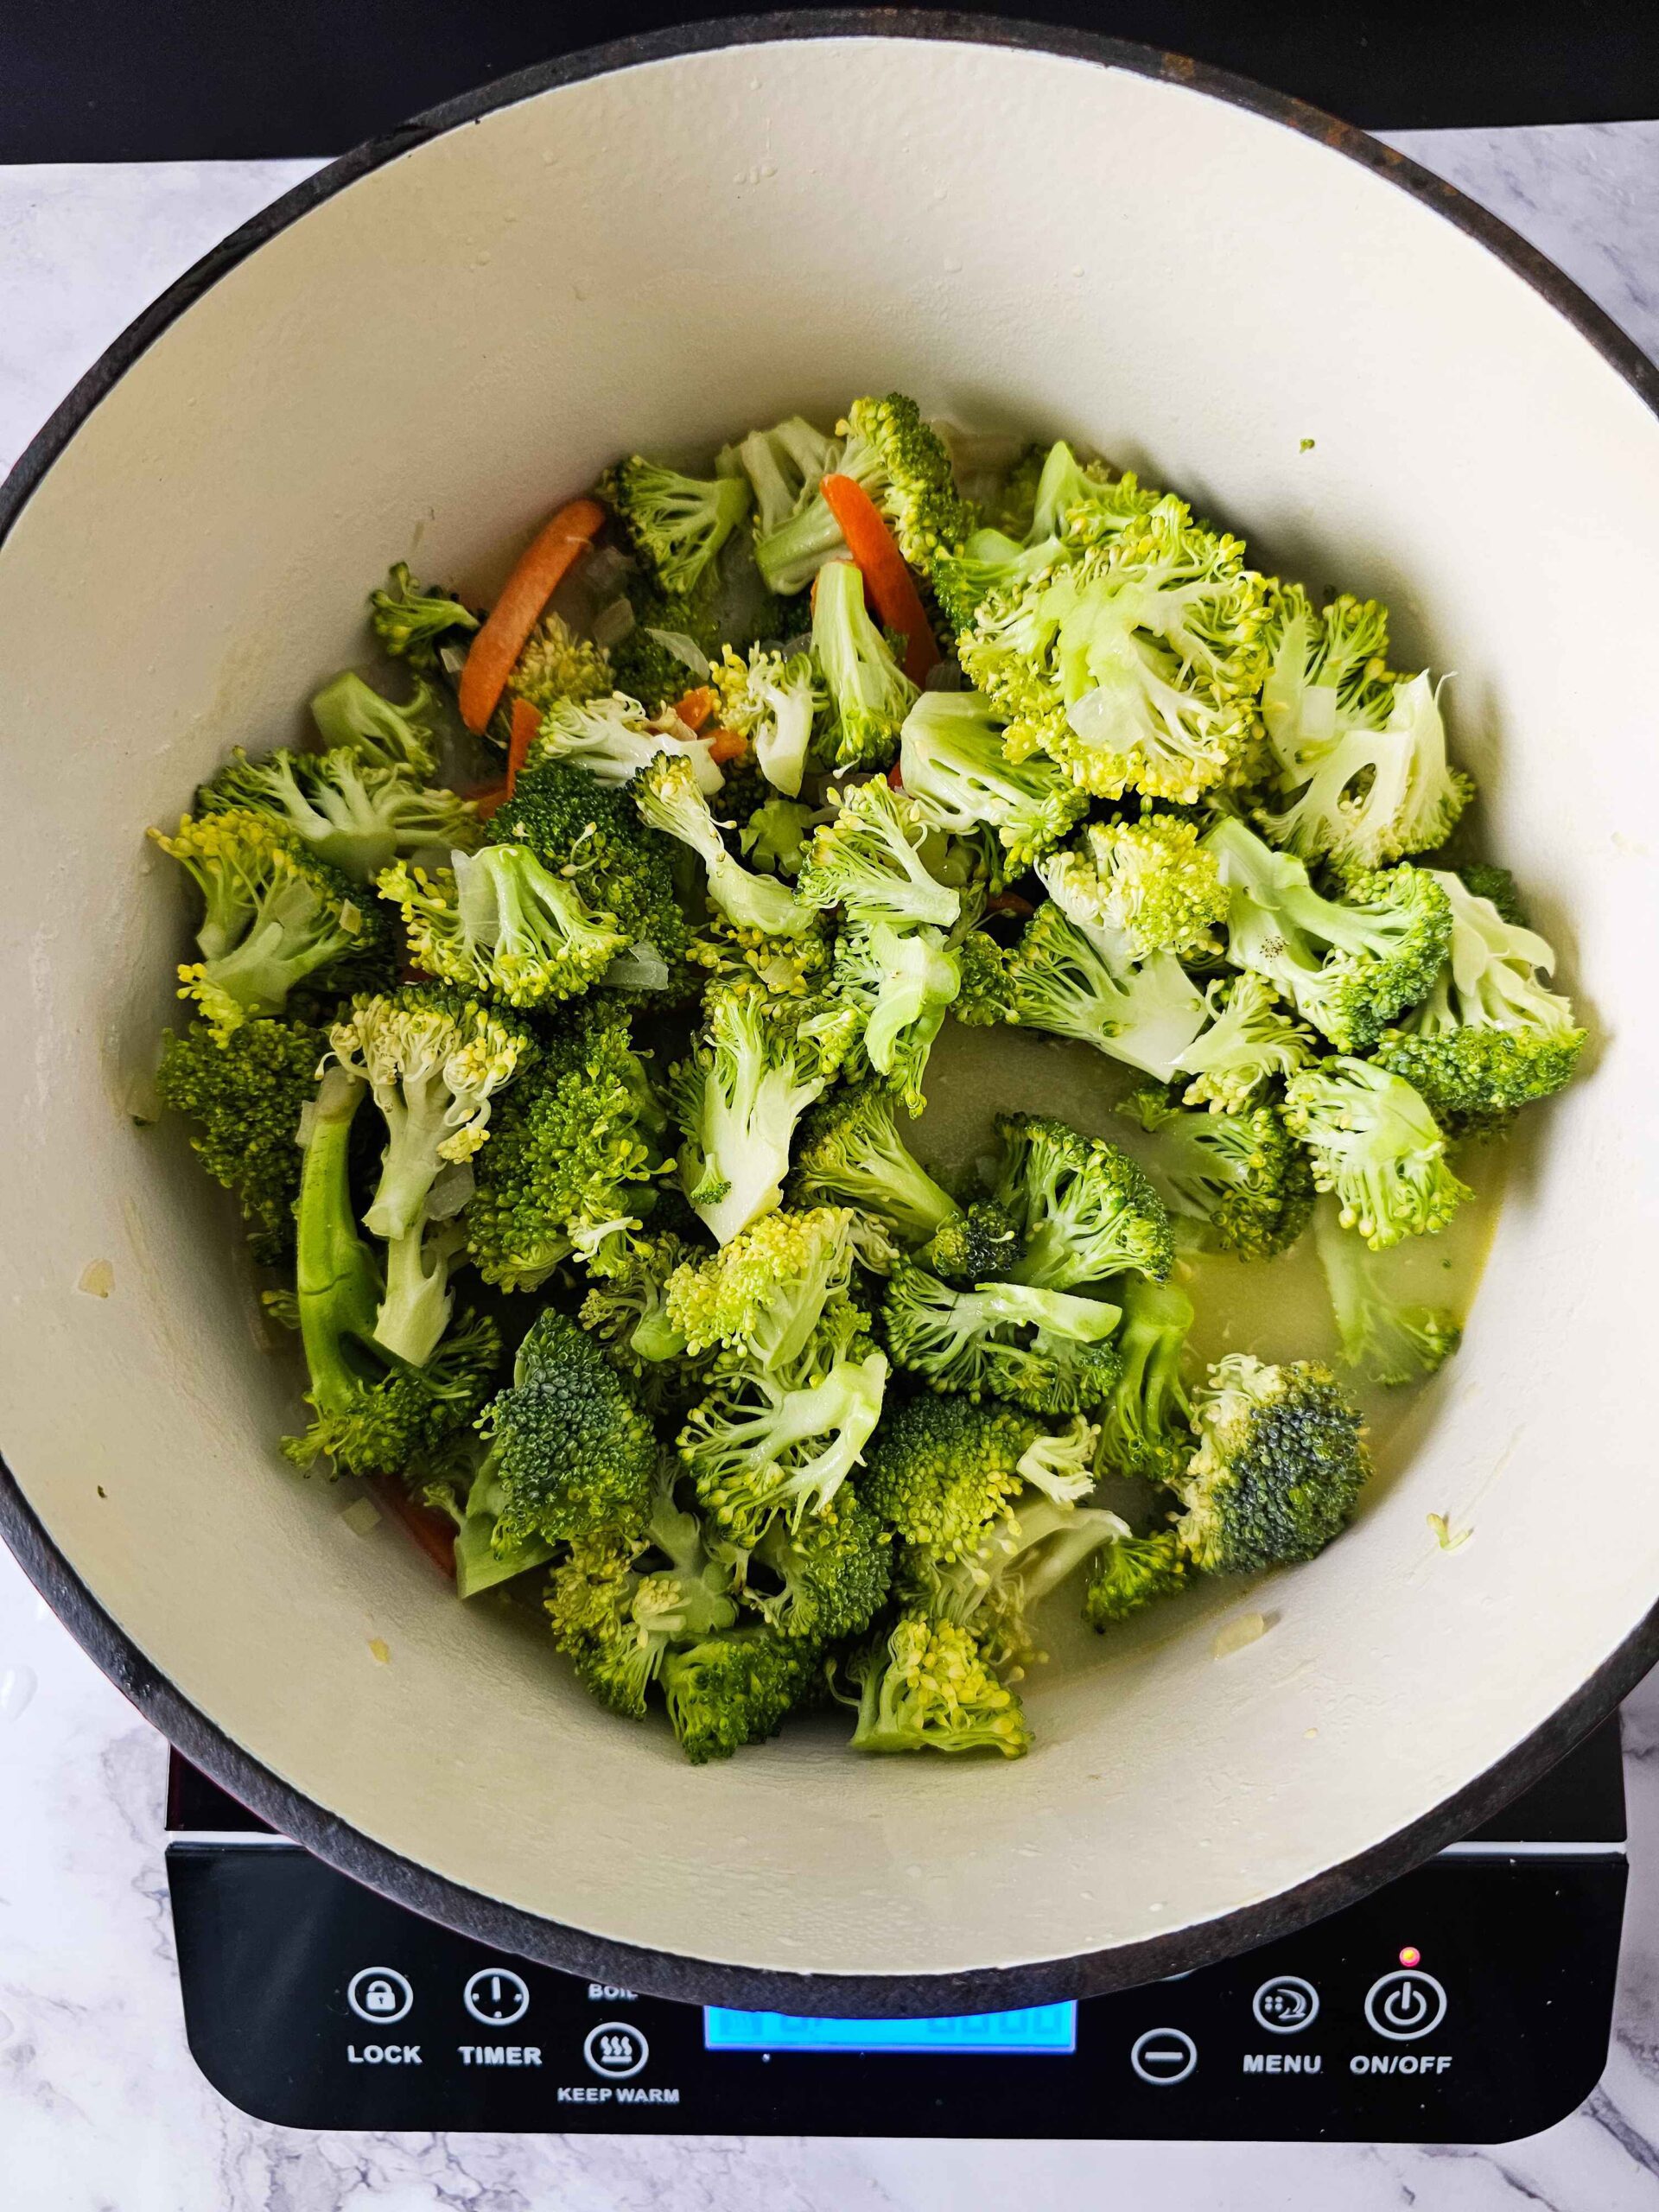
<point>120,80</point>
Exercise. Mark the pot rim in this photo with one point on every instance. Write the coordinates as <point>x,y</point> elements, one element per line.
<point>487,1920</point>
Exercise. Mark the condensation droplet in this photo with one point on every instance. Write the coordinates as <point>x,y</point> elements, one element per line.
<point>96,1279</point>
<point>1234,1635</point>
<point>18,1688</point>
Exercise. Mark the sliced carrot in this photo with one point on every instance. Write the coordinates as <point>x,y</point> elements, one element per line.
<point>726,745</point>
<point>695,709</point>
<point>526,721</point>
<point>892,588</point>
<point>487,801</point>
<point>535,578</point>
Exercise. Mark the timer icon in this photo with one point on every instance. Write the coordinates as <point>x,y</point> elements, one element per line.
<point>1285,2005</point>
<point>496,1997</point>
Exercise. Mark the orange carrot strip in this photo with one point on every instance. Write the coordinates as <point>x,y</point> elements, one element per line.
<point>726,745</point>
<point>894,595</point>
<point>488,799</point>
<point>535,578</point>
<point>526,721</point>
<point>695,709</point>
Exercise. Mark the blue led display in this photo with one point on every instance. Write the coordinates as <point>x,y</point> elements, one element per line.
<point>1050,2029</point>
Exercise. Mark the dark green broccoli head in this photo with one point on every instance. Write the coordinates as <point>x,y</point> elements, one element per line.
<point>943,1470</point>
<point>571,1452</point>
<point>1241,1179</point>
<point>826,1579</point>
<point>1279,1465</point>
<point>979,1241</point>
<point>1131,1573</point>
<point>677,523</point>
<point>245,1091</point>
<point>642,665</point>
<point>926,1686</point>
<point>735,1688</point>
<point>412,621</point>
<point>1083,1208</point>
<point>1041,1348</point>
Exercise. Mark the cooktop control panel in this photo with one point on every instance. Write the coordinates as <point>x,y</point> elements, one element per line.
<point>1467,2001</point>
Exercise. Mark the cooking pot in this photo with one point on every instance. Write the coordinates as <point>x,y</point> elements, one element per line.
<point>415,355</point>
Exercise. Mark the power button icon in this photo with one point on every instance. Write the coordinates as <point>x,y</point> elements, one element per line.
<point>1405,2005</point>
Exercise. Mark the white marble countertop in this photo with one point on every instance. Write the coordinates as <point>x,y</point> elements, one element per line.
<point>101,2107</point>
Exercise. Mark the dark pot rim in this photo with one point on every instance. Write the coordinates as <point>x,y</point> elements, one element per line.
<point>673,1974</point>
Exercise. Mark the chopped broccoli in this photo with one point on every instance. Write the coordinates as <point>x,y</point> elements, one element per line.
<point>571,1453</point>
<point>1087,498</point>
<point>757,1447</point>
<point>1279,1467</point>
<point>479,1563</point>
<point>775,835</point>
<point>785,465</point>
<point>1082,1208</point>
<point>571,1155</point>
<point>1489,1038</point>
<point>735,1689</point>
<point>850,1153</point>
<point>776,704</point>
<point>1378,1146</point>
<point>353,817</point>
<point>866,862</point>
<point>737,1098</point>
<point>1390,1339</point>
<point>1240,1179</point>
<point>989,562</point>
<point>1349,965</point>
<point>1250,1040</point>
<point>1497,884</point>
<point>1041,1348</point>
<point>677,523</point>
<point>957,777</point>
<point>943,1470</point>
<point>1325,673</point>
<point>994,1591</point>
<point>1145,1424</point>
<point>246,1091</point>
<point>1137,888</point>
<point>498,921</point>
<point>374,1414</point>
<point>411,620</point>
<point>1056,978</point>
<point>869,693</point>
<point>1131,1574</point>
<point>988,978</point>
<point>827,1578</point>
<point>670,801</point>
<point>352,717</point>
<point>1136,665</point>
<point>978,1241</point>
<point>763,1296</point>
<point>556,664</point>
<point>927,1688</point>
<point>274,916</point>
<point>612,739</point>
<point>627,1309</point>
<point>901,462</point>
<point>902,984</point>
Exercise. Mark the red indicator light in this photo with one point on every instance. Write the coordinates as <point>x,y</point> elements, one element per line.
<point>1411,1957</point>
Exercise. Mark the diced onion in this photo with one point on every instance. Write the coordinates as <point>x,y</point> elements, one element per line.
<point>641,968</point>
<point>612,623</point>
<point>685,649</point>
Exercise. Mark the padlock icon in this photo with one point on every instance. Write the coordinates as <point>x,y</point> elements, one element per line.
<point>380,1997</point>
<point>379,1993</point>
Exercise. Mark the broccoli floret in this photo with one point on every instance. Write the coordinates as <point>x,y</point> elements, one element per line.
<point>650,661</point>
<point>957,777</point>
<point>866,862</point>
<point>1082,1208</point>
<point>1489,1038</point>
<point>757,1447</point>
<point>990,561</point>
<point>784,968</point>
<point>1042,1349</point>
<point>612,739</point>
<point>1240,1180</point>
<point>735,1689</point>
<point>555,663</point>
<point>246,1091</point>
<point>1361,754</point>
<point>480,1563</point>
<point>1131,1574</point>
<point>1145,1424</point>
<point>776,704</point>
<point>826,1579</point>
<point>670,801</point>
<point>622,1600</point>
<point>1348,965</point>
<point>374,1414</point>
<point>850,1153</point>
<point>353,717</point>
<point>988,976</point>
<point>627,1309</point>
<point>571,1157</point>
<point>927,1688</point>
<point>1487,881</point>
<point>902,984</point>
<point>498,921</point>
<point>784,467</point>
<point>677,523</point>
<point>1389,1339</point>
<point>943,1470</point>
<point>775,835</point>
<point>902,463</point>
<point>978,1241</point>
<point>411,620</point>
<point>1057,978</point>
<point>1250,1040</point>
<point>1087,498</point>
<point>869,693</point>
<point>993,1592</point>
<point>274,916</point>
<point>1376,1145</point>
<point>769,1295</point>
<point>1136,665</point>
<point>592,835</point>
<point>571,1453</point>
<point>356,818</point>
<point>1279,1467</point>
<point>737,1098</point>
<point>1137,888</point>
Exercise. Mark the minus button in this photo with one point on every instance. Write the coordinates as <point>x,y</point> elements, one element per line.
<point>1164,2057</point>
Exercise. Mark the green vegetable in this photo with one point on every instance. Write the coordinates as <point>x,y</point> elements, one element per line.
<point>571,1453</point>
<point>1376,1145</point>
<point>763,1296</point>
<point>886,448</point>
<point>354,817</point>
<point>901,983</point>
<point>1279,1465</point>
<point>1056,978</point>
<point>756,1446</point>
<point>411,620</point>
<point>352,717</point>
<point>1082,1208</point>
<point>993,1592</point>
<point>957,777</point>
<point>869,693</point>
<point>677,523</point>
<point>246,1091</point>
<point>1146,1423</point>
<point>927,1688</point>
<point>1390,1339</point>
<point>498,921</point>
<point>1239,1181</point>
<point>1130,1574</point>
<point>866,860</point>
<point>1042,1349</point>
